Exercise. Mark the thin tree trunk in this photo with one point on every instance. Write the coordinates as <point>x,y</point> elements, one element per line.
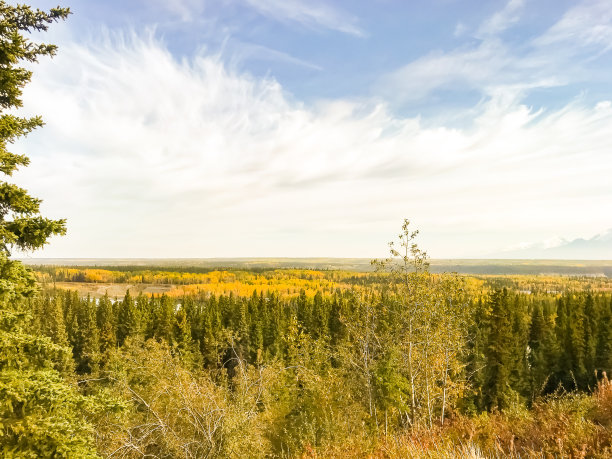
<point>411,372</point>
<point>444,385</point>
<point>428,392</point>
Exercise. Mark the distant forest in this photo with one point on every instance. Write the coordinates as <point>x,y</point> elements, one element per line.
<point>468,266</point>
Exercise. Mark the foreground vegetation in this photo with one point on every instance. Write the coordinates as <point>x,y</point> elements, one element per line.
<point>396,363</point>
<point>399,362</point>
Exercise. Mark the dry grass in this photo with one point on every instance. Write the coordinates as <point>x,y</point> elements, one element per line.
<point>560,426</point>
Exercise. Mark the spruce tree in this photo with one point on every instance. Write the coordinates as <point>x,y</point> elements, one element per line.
<point>478,334</point>
<point>519,344</point>
<point>40,413</point>
<point>604,339</point>
<point>577,344</point>
<point>550,348</point>
<point>208,345</point>
<point>183,342</point>
<point>497,391</point>
<point>128,323</point>
<point>591,324</point>
<point>562,327</point>
<point>163,321</point>
<point>57,326</point>
<point>106,325</point>
<point>21,225</point>
<point>89,357</point>
<point>244,329</point>
<point>335,322</point>
<point>536,326</point>
<point>537,362</point>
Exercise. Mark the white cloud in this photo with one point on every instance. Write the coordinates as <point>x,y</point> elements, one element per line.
<point>502,19</point>
<point>187,10</point>
<point>490,66</point>
<point>149,156</point>
<point>311,13</point>
<point>466,68</point>
<point>587,24</point>
<point>490,69</point>
<point>247,51</point>
<point>460,29</point>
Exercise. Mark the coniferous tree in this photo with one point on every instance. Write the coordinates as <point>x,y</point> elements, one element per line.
<point>550,350</point>
<point>21,225</point>
<point>335,326</point>
<point>536,327</point>
<point>183,342</point>
<point>56,324</point>
<point>107,327</point>
<point>577,350</point>
<point>320,316</point>
<point>497,390</point>
<point>603,359</point>
<point>128,319</point>
<point>478,334</point>
<point>303,309</point>
<point>562,327</point>
<point>519,379</point>
<point>71,307</point>
<point>244,335</point>
<point>208,344</point>
<point>194,312</point>
<point>591,324</point>
<point>89,357</point>
<point>163,319</point>
<point>39,411</point>
<point>537,361</point>
<point>145,308</point>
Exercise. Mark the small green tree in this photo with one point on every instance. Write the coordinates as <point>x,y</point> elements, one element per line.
<point>424,320</point>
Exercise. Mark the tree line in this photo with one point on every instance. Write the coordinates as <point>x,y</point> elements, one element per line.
<point>517,346</point>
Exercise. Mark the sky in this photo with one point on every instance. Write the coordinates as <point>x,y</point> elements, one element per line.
<point>269,128</point>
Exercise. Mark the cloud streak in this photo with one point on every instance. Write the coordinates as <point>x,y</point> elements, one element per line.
<point>589,24</point>
<point>502,19</point>
<point>311,14</point>
<point>489,66</point>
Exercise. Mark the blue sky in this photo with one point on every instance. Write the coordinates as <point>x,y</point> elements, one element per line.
<point>196,128</point>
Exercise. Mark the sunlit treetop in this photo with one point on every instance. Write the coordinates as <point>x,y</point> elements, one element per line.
<point>21,225</point>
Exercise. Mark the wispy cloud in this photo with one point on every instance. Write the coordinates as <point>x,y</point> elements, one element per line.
<point>489,65</point>
<point>467,68</point>
<point>585,25</point>
<point>502,19</point>
<point>186,10</point>
<point>147,155</point>
<point>490,69</point>
<point>249,51</point>
<point>311,14</point>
